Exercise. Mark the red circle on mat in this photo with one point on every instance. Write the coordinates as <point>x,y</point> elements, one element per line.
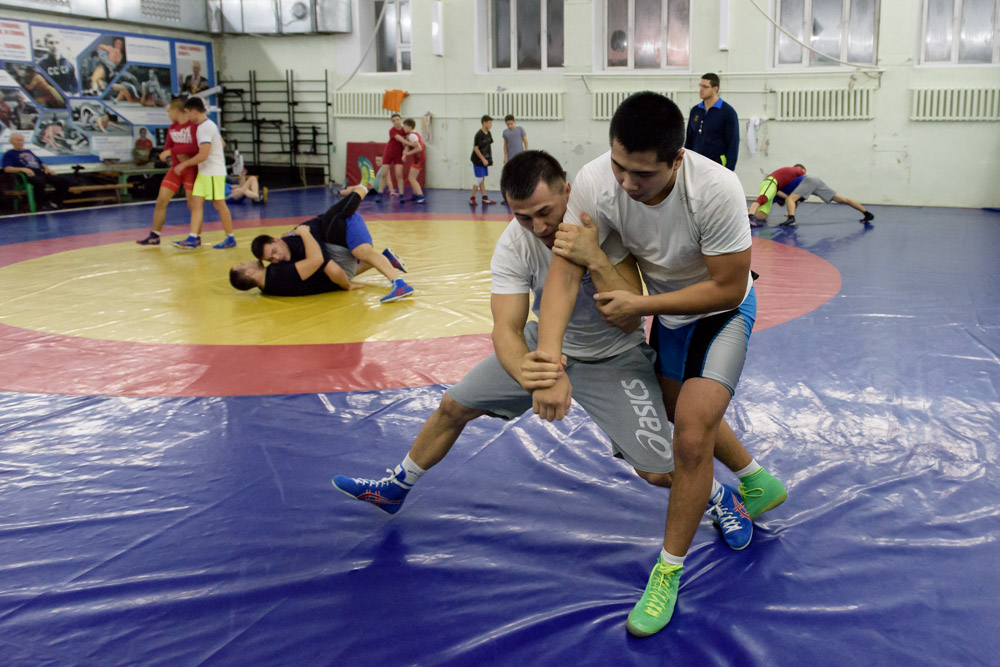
<point>37,362</point>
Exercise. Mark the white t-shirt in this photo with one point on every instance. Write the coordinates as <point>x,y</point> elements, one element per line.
<point>208,133</point>
<point>520,265</point>
<point>704,214</point>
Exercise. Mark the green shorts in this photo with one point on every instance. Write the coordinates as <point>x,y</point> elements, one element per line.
<point>210,187</point>
<point>768,188</point>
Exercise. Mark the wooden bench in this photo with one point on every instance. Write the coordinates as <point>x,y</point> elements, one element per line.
<point>22,188</point>
<point>116,195</point>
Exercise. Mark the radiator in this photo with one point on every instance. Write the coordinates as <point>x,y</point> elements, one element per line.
<point>829,104</point>
<point>955,104</point>
<point>358,105</point>
<point>525,106</point>
<point>604,103</point>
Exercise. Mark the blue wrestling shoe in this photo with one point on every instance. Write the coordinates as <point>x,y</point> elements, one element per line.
<point>190,243</point>
<point>152,240</point>
<point>394,259</point>
<point>400,290</point>
<point>228,242</point>
<point>731,516</point>
<point>387,494</point>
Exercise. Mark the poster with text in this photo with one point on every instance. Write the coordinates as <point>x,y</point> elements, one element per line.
<point>82,95</point>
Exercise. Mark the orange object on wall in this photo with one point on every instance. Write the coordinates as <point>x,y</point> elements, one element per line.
<point>393,99</point>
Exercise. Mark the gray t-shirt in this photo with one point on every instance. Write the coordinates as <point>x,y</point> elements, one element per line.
<point>515,140</point>
<point>520,265</point>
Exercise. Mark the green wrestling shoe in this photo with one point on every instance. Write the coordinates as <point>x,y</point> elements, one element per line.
<point>654,609</point>
<point>761,492</point>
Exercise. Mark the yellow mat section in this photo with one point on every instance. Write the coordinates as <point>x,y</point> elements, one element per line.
<point>166,295</point>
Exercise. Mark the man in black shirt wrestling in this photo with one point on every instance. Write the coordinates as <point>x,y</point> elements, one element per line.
<point>321,255</point>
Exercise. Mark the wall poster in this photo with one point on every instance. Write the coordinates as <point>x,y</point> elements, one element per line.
<point>80,95</point>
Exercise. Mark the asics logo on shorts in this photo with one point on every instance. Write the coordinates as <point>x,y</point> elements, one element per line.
<point>649,435</point>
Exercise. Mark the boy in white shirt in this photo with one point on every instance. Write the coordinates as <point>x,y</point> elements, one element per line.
<point>211,181</point>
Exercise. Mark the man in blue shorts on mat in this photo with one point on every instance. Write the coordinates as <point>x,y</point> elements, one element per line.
<point>346,247</point>
<point>611,368</point>
<point>683,217</point>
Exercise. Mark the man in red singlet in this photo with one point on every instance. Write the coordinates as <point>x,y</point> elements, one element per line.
<point>180,145</point>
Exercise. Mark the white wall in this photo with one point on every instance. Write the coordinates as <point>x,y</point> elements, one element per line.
<point>885,160</point>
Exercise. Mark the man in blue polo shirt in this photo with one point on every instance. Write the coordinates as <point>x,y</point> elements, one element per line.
<point>713,127</point>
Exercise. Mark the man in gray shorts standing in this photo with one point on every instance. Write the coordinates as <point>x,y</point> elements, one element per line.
<point>810,185</point>
<point>611,368</point>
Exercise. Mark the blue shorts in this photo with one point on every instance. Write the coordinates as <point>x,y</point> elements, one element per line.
<point>356,231</point>
<point>714,347</point>
<point>480,171</point>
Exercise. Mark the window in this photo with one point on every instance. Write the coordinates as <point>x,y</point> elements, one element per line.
<point>516,31</point>
<point>646,34</point>
<point>844,30</point>
<point>960,32</point>
<point>393,46</point>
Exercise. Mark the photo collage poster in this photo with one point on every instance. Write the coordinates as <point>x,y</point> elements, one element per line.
<point>80,95</point>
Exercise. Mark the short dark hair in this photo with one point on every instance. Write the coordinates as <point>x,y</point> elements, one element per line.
<point>523,172</point>
<point>509,116</point>
<point>800,166</point>
<point>485,118</point>
<point>649,121</point>
<point>409,122</point>
<point>394,115</point>
<point>194,104</point>
<point>257,245</point>
<point>176,103</point>
<point>240,280</point>
<point>712,78</point>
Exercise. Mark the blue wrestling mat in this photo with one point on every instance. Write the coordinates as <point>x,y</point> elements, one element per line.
<point>146,523</point>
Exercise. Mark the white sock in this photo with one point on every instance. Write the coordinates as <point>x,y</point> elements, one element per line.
<point>670,558</point>
<point>716,492</point>
<point>749,470</point>
<point>411,471</point>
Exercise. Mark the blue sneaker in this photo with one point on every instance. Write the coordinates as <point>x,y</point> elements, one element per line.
<point>228,242</point>
<point>394,259</point>
<point>387,494</point>
<point>420,200</point>
<point>731,516</point>
<point>152,240</point>
<point>190,243</point>
<point>400,290</point>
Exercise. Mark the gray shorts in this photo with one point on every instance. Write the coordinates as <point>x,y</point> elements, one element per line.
<point>343,257</point>
<point>810,185</point>
<point>620,394</point>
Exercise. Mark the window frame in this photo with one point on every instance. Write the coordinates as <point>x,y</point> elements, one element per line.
<point>544,27</point>
<point>807,19</point>
<point>630,67</point>
<point>401,48</point>
<point>956,33</point>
